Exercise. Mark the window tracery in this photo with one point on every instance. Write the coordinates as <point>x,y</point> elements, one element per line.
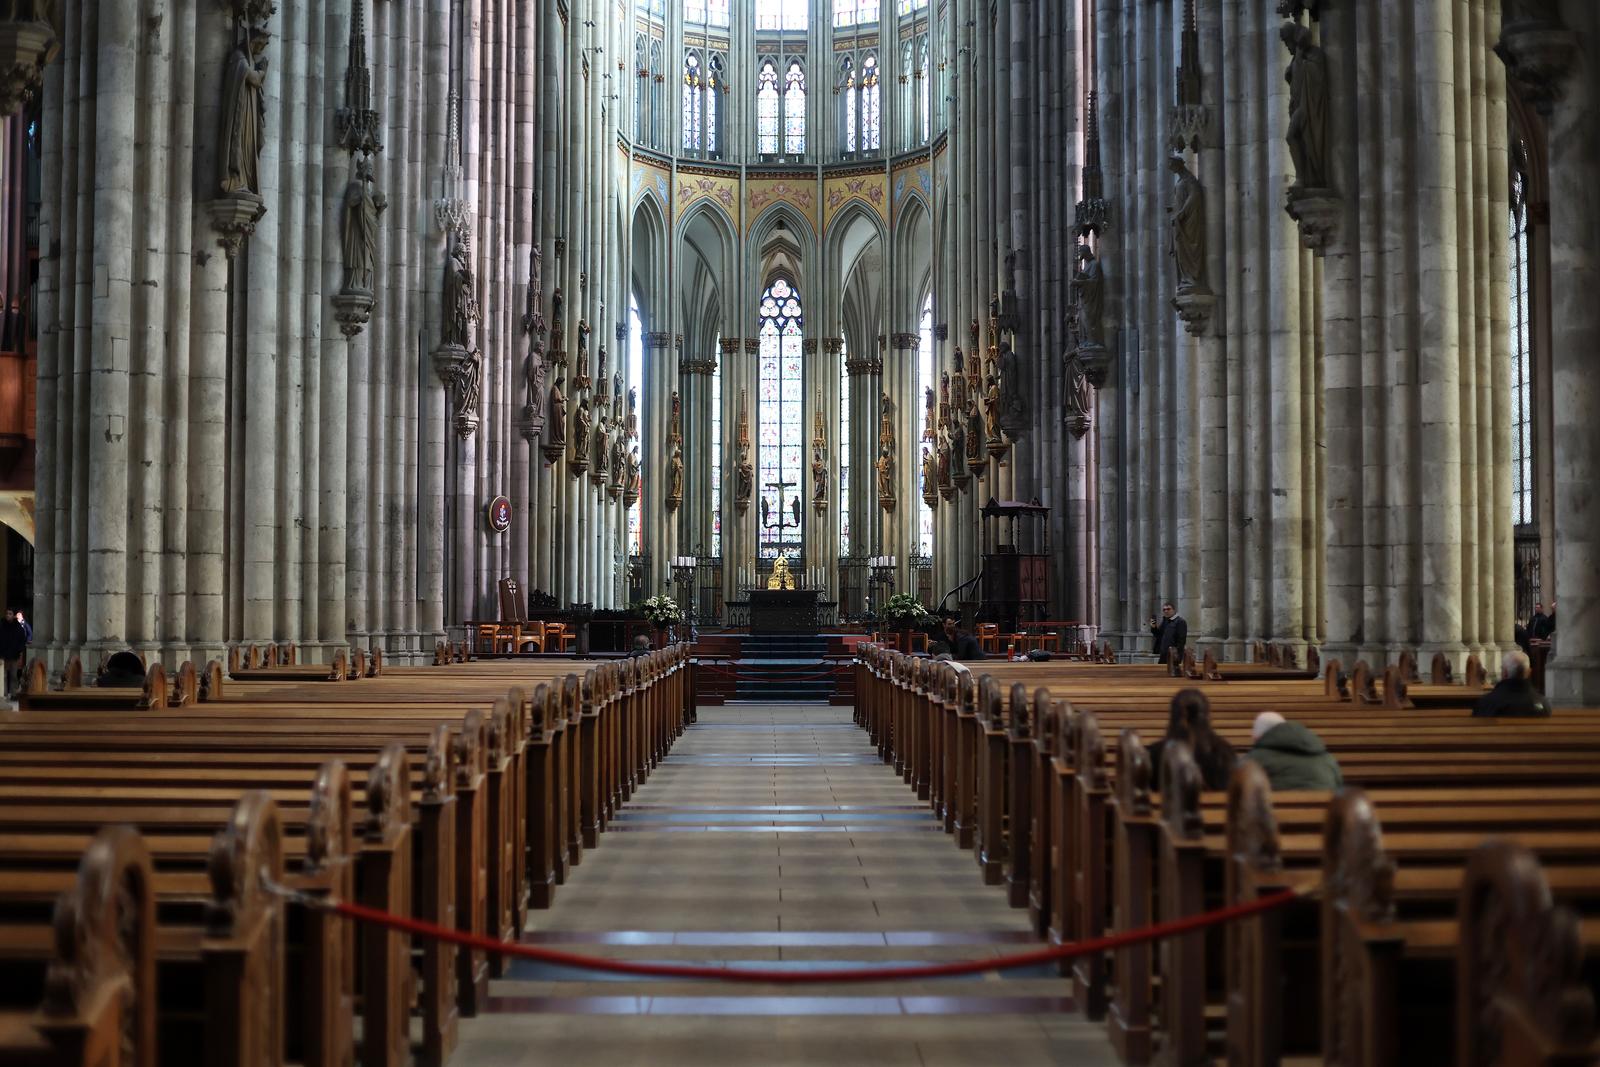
<point>780,459</point>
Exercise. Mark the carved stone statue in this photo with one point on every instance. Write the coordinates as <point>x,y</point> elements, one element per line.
<point>958,446</point>
<point>619,460</point>
<point>885,468</point>
<point>1308,107</point>
<point>244,114</point>
<point>556,424</point>
<point>744,484</point>
<point>468,379</point>
<point>582,425</point>
<point>977,441</point>
<point>819,479</point>
<point>558,325</point>
<point>359,230</point>
<point>991,403</point>
<point>633,414</point>
<point>930,473</point>
<point>1013,403</point>
<point>675,475</point>
<point>1188,212</point>
<point>460,300</point>
<point>931,418</point>
<point>958,387</point>
<point>602,446</point>
<point>603,375</point>
<point>634,480</point>
<point>886,423</point>
<point>1091,285</point>
<point>675,423</point>
<point>943,463</point>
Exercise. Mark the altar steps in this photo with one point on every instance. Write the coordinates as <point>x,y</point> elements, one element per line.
<point>782,668</point>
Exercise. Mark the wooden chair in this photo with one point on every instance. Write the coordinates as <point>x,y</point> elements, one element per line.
<point>561,635</point>
<point>518,633</point>
<point>989,637</point>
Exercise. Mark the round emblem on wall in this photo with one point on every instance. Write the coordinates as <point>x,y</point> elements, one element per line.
<point>499,514</point>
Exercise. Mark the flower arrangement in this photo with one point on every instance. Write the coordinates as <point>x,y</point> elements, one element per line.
<point>903,611</point>
<point>662,610</point>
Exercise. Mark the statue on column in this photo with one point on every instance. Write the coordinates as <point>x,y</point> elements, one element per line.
<point>931,415</point>
<point>633,414</point>
<point>744,471</point>
<point>558,326</point>
<point>1308,107</point>
<point>958,450</point>
<point>675,421</point>
<point>886,422</point>
<point>930,477</point>
<point>633,482</point>
<point>958,387</point>
<point>1090,282</point>
<point>359,231</point>
<point>977,438</point>
<point>991,403</point>
<point>582,380</point>
<point>460,299</point>
<point>582,426</point>
<point>1013,399</point>
<point>557,422</point>
<point>675,478</point>
<point>602,447</point>
<point>244,114</point>
<point>1188,220</point>
<point>885,469</point>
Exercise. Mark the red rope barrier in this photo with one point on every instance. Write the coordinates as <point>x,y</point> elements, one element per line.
<point>1158,932</point>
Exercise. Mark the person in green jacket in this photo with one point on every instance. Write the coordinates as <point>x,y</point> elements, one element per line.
<point>1292,756</point>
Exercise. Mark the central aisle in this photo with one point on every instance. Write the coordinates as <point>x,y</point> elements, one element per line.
<point>775,835</point>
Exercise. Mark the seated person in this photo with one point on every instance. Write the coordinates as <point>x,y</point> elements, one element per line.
<point>963,646</point>
<point>1513,695</point>
<point>1292,756</point>
<point>122,670</point>
<point>641,646</point>
<point>1189,721</point>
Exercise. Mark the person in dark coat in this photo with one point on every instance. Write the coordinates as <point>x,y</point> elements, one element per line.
<point>1189,721</point>
<point>1540,626</point>
<point>123,670</point>
<point>962,645</point>
<point>1292,756</point>
<point>1171,632</point>
<point>1513,696</point>
<point>13,646</point>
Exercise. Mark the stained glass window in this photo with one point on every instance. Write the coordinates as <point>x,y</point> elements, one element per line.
<point>716,456</point>
<point>693,90</point>
<point>767,109</point>
<point>642,69</point>
<point>782,444</point>
<point>911,7</point>
<point>794,109</point>
<point>926,380</point>
<point>1521,355</point>
<point>847,89</point>
<point>713,90</point>
<point>855,12</point>
<point>636,379</point>
<point>694,11</point>
<point>924,81</point>
<point>844,450</point>
<point>658,118</point>
<point>871,109</point>
<point>717,13</point>
<point>782,14</point>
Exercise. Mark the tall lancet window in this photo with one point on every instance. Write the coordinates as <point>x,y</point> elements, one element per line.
<point>636,380</point>
<point>767,109</point>
<point>641,61</point>
<point>1521,345</point>
<point>794,109</point>
<point>848,109</point>
<point>693,105</point>
<point>926,379</point>
<point>782,14</point>
<point>871,107</point>
<point>844,449</point>
<point>716,455</point>
<point>714,88</point>
<point>925,87</point>
<point>781,460</point>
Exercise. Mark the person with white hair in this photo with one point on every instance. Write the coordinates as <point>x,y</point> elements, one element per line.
<point>1292,756</point>
<point>1514,695</point>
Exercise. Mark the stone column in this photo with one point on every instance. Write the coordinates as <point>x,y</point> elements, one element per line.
<point>1575,317</point>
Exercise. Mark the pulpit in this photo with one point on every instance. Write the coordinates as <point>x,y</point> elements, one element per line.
<point>785,611</point>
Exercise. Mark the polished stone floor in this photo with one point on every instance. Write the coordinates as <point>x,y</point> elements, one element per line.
<point>774,837</point>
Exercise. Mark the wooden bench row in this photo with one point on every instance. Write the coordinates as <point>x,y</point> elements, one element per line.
<point>1032,784</point>
<point>487,804</point>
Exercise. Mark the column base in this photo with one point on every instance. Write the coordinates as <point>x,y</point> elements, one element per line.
<point>1573,683</point>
